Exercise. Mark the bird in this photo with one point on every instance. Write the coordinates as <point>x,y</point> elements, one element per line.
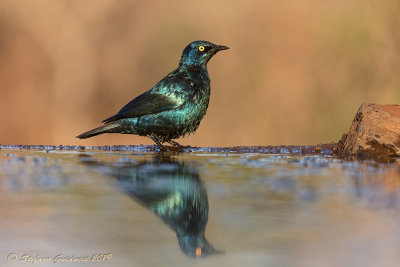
<point>174,107</point>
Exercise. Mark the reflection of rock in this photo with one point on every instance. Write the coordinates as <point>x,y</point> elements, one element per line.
<point>375,131</point>
<point>173,192</point>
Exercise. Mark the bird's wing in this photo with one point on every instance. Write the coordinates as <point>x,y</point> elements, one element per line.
<point>166,95</point>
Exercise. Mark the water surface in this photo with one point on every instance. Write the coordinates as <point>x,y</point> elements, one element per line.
<point>215,209</point>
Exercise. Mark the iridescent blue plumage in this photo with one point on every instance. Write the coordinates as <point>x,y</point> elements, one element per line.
<point>174,107</point>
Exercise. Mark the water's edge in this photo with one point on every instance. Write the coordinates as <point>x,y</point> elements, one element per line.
<point>321,149</point>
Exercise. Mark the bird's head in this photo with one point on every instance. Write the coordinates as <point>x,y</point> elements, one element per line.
<point>198,53</point>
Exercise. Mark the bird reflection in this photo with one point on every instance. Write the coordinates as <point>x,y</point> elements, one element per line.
<point>174,192</point>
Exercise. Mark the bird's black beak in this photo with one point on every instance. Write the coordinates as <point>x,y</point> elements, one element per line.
<point>220,47</point>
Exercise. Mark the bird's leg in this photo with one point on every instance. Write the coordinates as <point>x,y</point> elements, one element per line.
<point>158,143</point>
<point>175,143</point>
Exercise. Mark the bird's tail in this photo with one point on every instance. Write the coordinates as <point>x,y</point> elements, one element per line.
<point>99,130</point>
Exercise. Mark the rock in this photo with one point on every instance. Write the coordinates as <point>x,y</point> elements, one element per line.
<point>375,131</point>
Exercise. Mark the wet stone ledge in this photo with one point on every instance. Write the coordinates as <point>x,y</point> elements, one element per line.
<point>323,149</point>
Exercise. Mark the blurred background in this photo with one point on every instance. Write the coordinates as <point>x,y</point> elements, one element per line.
<point>296,73</point>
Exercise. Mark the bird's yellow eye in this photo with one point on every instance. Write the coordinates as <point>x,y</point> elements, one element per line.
<point>201,48</point>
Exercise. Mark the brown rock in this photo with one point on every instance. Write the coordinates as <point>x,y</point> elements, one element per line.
<point>375,131</point>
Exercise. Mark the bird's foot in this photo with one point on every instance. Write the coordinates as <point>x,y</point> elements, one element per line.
<point>178,146</point>
<point>163,148</point>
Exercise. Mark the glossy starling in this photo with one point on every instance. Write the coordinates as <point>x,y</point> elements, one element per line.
<point>174,107</point>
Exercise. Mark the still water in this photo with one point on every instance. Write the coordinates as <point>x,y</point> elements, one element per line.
<point>102,208</point>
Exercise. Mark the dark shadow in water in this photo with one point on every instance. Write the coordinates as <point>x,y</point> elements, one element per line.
<point>174,192</point>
